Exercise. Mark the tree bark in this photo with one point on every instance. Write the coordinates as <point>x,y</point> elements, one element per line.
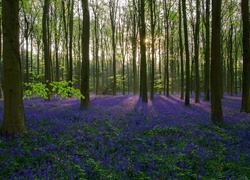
<point>46,46</point>
<point>85,102</point>
<point>216,106</point>
<point>113,6</point>
<point>152,23</point>
<point>166,78</point>
<point>143,53</point>
<point>71,25</point>
<point>1,90</point>
<point>13,120</point>
<point>245,104</point>
<point>196,39</point>
<point>187,95</point>
<point>181,52</point>
<point>96,29</point>
<point>134,51</point>
<point>207,54</point>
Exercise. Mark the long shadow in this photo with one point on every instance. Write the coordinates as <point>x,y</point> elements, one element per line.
<point>109,101</point>
<point>174,111</point>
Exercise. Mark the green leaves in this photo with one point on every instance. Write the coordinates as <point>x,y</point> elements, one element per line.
<point>58,89</point>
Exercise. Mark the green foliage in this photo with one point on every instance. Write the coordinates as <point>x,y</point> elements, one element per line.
<point>35,89</point>
<point>158,85</point>
<point>58,89</point>
<point>119,81</point>
<point>119,78</point>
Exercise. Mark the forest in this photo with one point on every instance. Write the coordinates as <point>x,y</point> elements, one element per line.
<point>129,89</point>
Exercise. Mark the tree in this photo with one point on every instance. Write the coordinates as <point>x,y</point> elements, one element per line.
<point>196,46</point>
<point>187,95</point>
<point>207,53</point>
<point>245,105</point>
<point>143,84</point>
<point>152,7</point>
<point>71,24</point>
<point>46,46</point>
<point>112,13</point>
<point>1,93</point>
<point>181,52</point>
<point>166,48</point>
<point>13,120</point>
<point>134,47</point>
<point>96,13</point>
<point>85,102</point>
<point>216,107</point>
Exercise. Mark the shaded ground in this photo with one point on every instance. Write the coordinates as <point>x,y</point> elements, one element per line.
<point>122,138</point>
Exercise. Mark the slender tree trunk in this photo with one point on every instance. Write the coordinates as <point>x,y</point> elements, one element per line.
<point>245,104</point>
<point>216,106</point>
<point>113,6</point>
<point>102,62</point>
<point>71,25</point>
<point>207,54</point>
<point>187,95</point>
<point>123,45</point>
<point>181,52</point>
<point>152,23</point>
<point>57,49</point>
<point>96,29</point>
<point>196,39</point>
<point>236,48</point>
<point>13,120</point>
<point>231,62</point>
<point>143,53</point>
<point>66,40</point>
<point>27,49</point>
<point>160,74</point>
<point>167,24</point>
<point>46,46</point>
<point>31,53</point>
<point>38,56</point>
<point>134,52</point>
<point>85,102</point>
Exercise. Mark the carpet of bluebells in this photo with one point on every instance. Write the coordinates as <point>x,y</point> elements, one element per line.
<point>122,138</point>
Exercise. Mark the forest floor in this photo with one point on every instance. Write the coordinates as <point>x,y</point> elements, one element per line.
<point>122,138</point>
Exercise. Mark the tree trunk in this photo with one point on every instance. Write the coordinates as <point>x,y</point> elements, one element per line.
<point>57,49</point>
<point>245,104</point>
<point>71,25</point>
<point>231,61</point>
<point>207,54</point>
<point>1,90</point>
<point>96,29</point>
<point>26,34</point>
<point>38,56</point>
<point>85,102</point>
<point>196,39</point>
<point>160,75</point>
<point>113,6</point>
<point>134,52</point>
<point>152,23</point>
<point>216,107</point>
<point>166,78</point>
<point>236,48</point>
<point>181,52</point>
<point>187,95</point>
<point>143,53</point>
<point>46,46</point>
<point>13,120</point>
<point>66,40</point>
